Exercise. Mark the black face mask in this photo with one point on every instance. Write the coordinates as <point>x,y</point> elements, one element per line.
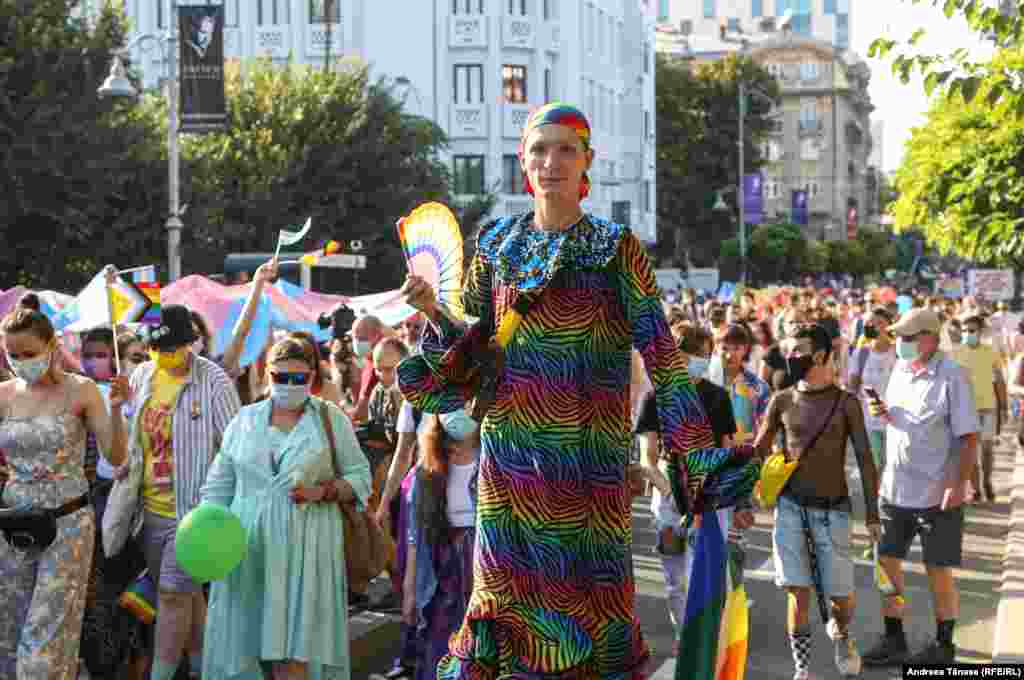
<point>870,332</point>
<point>797,367</point>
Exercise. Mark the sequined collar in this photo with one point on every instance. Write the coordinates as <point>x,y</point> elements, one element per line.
<point>527,259</point>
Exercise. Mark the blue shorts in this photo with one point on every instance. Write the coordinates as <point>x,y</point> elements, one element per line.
<point>831,532</point>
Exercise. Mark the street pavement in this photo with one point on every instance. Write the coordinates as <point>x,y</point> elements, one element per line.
<point>769,656</point>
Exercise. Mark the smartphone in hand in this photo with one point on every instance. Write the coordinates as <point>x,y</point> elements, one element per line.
<point>872,393</point>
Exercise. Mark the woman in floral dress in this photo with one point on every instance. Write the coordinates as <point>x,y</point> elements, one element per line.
<point>45,415</point>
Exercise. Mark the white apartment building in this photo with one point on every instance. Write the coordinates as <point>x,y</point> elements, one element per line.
<point>478,68</point>
<point>823,20</point>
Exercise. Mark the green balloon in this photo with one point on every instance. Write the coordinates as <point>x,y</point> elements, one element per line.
<point>210,542</point>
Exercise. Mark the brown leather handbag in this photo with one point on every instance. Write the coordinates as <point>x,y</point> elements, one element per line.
<point>367,546</point>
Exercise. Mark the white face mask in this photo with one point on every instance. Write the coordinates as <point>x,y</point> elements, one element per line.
<point>361,347</point>
<point>127,368</point>
<point>697,367</point>
<point>30,370</point>
<point>289,397</point>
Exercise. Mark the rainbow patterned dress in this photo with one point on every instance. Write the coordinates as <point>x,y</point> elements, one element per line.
<point>553,584</point>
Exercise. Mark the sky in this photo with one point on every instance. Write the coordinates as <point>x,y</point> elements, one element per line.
<point>903,107</point>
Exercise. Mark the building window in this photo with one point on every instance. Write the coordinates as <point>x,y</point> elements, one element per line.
<point>467,6</point>
<point>813,189</point>
<point>801,11</point>
<point>514,83</point>
<point>709,9</point>
<point>468,173</point>
<point>809,70</point>
<point>663,14</point>
<point>512,175</point>
<point>830,6</point>
<point>808,114</point>
<point>231,13</point>
<point>322,11</point>
<point>733,25</point>
<point>771,150</point>
<point>550,9</point>
<point>468,84</point>
<point>548,86</point>
<point>517,8</point>
<point>272,12</point>
<point>160,14</point>
<point>757,8</point>
<point>842,39</point>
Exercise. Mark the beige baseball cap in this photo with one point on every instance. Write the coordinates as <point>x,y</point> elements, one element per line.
<point>918,320</point>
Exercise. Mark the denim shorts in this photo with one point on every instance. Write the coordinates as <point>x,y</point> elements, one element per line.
<point>831,532</point>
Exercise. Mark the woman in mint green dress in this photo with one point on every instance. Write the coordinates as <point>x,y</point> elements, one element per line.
<point>283,612</point>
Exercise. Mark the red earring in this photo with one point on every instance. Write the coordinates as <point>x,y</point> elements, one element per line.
<point>585,186</point>
<point>527,187</point>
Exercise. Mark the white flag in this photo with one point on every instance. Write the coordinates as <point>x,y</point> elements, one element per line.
<point>289,238</point>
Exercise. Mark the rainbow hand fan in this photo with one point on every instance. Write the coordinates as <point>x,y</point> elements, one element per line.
<point>432,242</point>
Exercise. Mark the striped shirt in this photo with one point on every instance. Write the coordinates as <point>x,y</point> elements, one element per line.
<point>207,403</point>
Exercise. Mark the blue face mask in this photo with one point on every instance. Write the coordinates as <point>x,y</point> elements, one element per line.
<point>698,367</point>
<point>459,425</point>
<point>906,349</point>
<point>289,397</point>
<point>971,339</point>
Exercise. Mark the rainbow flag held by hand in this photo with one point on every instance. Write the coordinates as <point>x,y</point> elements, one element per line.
<point>715,630</point>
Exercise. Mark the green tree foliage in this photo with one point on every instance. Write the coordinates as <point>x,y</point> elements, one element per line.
<point>697,119</point>
<point>780,253</point>
<point>961,179</point>
<point>956,71</point>
<point>302,141</point>
<point>77,185</point>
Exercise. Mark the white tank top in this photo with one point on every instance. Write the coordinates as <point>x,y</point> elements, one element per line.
<point>460,503</point>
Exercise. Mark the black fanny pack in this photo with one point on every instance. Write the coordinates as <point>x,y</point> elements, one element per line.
<point>35,529</point>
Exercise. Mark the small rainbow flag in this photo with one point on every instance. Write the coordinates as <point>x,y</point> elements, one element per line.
<point>140,598</point>
<point>151,291</point>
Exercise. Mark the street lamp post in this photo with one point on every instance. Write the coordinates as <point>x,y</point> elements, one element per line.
<point>118,85</point>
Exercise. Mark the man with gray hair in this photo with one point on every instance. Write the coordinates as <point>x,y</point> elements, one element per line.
<point>931,447</point>
<point>367,331</point>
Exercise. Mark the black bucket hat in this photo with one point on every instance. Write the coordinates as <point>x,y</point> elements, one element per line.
<point>175,329</point>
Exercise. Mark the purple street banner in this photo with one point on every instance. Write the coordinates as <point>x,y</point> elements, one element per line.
<point>201,36</point>
<point>800,207</point>
<point>753,198</point>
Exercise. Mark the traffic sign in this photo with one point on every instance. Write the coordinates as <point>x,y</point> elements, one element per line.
<point>343,261</point>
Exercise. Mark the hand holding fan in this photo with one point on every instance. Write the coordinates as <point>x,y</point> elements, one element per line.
<point>432,242</point>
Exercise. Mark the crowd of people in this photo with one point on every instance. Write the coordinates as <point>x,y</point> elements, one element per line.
<point>495,455</point>
<point>918,396</point>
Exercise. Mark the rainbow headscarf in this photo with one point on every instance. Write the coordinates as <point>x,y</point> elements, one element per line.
<point>558,113</point>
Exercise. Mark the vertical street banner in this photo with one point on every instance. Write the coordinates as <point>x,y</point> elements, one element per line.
<point>800,207</point>
<point>201,40</point>
<point>753,198</point>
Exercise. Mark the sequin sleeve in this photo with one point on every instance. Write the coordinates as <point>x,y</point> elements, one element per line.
<point>702,477</point>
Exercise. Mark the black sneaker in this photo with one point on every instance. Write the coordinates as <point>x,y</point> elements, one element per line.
<point>890,650</point>
<point>936,653</point>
